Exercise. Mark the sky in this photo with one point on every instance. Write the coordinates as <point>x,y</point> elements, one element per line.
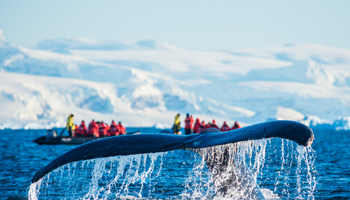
<point>194,25</point>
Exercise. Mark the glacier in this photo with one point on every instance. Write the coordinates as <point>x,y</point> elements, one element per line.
<point>146,83</point>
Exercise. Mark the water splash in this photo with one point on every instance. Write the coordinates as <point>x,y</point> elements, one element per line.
<point>293,170</point>
<point>234,168</point>
<point>273,168</point>
<point>34,190</point>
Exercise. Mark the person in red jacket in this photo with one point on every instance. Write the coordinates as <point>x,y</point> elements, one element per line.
<point>235,126</point>
<point>188,124</point>
<point>213,125</point>
<point>93,129</point>
<point>121,129</point>
<point>107,128</point>
<point>113,130</point>
<point>81,130</point>
<point>103,129</point>
<point>98,129</point>
<point>225,127</point>
<point>208,125</point>
<point>201,126</point>
<point>196,126</point>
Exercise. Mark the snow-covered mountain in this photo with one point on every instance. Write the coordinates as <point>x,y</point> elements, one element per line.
<point>146,83</point>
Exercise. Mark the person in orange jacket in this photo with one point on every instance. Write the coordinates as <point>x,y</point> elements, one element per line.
<point>225,127</point>
<point>208,125</point>
<point>93,129</point>
<point>235,126</point>
<point>188,124</point>
<point>81,130</point>
<point>103,129</point>
<point>121,129</point>
<point>113,130</point>
<point>107,128</point>
<point>202,126</point>
<point>196,126</point>
<point>213,125</point>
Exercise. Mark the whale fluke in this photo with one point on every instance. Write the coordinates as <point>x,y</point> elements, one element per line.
<point>151,143</point>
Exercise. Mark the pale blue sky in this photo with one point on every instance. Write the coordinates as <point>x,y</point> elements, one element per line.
<point>194,25</point>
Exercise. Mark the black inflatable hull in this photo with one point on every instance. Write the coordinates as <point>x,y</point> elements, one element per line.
<point>65,140</point>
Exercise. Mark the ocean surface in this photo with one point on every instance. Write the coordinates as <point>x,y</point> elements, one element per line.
<point>281,169</point>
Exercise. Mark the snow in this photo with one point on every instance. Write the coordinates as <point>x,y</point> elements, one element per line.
<point>289,114</point>
<point>316,123</point>
<point>342,123</point>
<point>63,45</point>
<point>146,83</point>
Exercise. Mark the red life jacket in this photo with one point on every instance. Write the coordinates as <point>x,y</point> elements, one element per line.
<point>235,126</point>
<point>207,126</point>
<point>103,130</point>
<point>225,128</point>
<point>121,129</point>
<point>188,123</point>
<point>214,126</point>
<point>107,128</point>
<point>92,130</point>
<point>81,130</point>
<point>196,127</point>
<point>201,127</point>
<point>113,130</point>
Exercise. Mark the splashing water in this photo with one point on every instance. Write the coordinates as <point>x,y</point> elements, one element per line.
<point>273,168</point>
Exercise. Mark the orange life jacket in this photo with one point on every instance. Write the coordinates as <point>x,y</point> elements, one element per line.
<point>196,126</point>
<point>81,130</point>
<point>103,130</point>
<point>92,130</point>
<point>188,123</point>
<point>121,129</point>
<point>225,128</point>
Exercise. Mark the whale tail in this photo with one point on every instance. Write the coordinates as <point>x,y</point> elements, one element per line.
<point>152,143</point>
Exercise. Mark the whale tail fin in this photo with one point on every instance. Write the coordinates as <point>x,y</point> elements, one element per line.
<point>152,143</point>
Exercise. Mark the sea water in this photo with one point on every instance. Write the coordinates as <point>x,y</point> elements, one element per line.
<point>280,168</point>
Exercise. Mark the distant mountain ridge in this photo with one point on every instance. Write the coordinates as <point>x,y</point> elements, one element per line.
<point>63,45</point>
<point>147,83</point>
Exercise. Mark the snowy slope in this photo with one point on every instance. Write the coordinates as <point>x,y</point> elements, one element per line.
<point>147,83</point>
<point>48,100</point>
